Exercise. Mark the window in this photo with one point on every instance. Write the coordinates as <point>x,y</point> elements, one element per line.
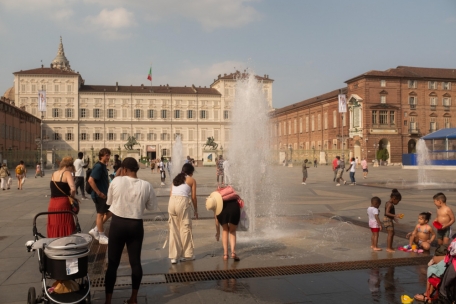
<point>138,136</point>
<point>96,113</point>
<point>123,136</point>
<point>57,136</point>
<point>164,114</point>
<point>203,134</point>
<point>432,125</point>
<point>392,120</point>
<point>446,85</point>
<point>56,113</point>
<point>69,113</point>
<point>97,136</point>
<point>325,121</point>
<point>227,92</point>
<point>334,118</point>
<point>69,88</point>
<point>383,83</point>
<point>177,114</point>
<point>313,123</point>
<point>83,113</point>
<point>383,99</point>
<point>374,117</point>
<point>33,88</point>
<point>289,126</point>
<point>111,113</point>
<point>203,114</point>
<point>150,114</point>
<point>383,119</point>
<point>432,85</point>
<point>111,136</point>
<point>412,84</point>
<point>56,88</point>
<point>165,152</point>
<point>412,102</point>
<point>226,114</point>
<point>446,120</point>
<point>412,123</point>
<point>69,136</point>
<point>279,126</point>
<point>295,129</point>
<point>433,101</point>
<point>84,136</point>
<point>319,121</point>
<point>138,113</point>
<point>307,123</point>
<point>190,114</point>
<point>22,87</point>
<point>151,136</point>
<point>216,113</point>
<point>300,125</point>
<point>125,113</point>
<point>446,101</point>
<point>164,136</point>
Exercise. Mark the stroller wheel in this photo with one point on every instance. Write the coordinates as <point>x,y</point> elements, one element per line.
<point>88,300</point>
<point>31,297</point>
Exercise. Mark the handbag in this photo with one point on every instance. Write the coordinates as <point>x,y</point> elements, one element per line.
<point>74,202</point>
<point>228,194</point>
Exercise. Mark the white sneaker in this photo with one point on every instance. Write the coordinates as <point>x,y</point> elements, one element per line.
<point>103,239</point>
<point>303,183</point>
<point>345,182</point>
<point>192,258</point>
<point>338,185</point>
<point>94,234</point>
<point>173,261</point>
<point>162,184</point>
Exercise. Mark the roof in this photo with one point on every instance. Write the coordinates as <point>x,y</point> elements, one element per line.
<point>147,89</point>
<point>238,74</point>
<point>410,72</point>
<point>441,134</point>
<point>310,101</point>
<point>45,71</point>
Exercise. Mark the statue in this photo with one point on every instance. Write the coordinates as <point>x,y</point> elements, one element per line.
<point>130,143</point>
<point>210,143</point>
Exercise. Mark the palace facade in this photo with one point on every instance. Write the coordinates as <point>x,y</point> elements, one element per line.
<point>84,117</point>
<point>387,111</point>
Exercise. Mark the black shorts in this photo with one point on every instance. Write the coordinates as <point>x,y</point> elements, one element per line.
<point>100,205</point>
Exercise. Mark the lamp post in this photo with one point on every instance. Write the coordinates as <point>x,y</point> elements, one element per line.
<point>313,149</point>
<point>92,155</point>
<point>291,156</point>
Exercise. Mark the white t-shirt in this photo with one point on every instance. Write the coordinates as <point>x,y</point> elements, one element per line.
<point>129,197</point>
<point>371,212</point>
<point>353,166</point>
<point>162,168</point>
<point>78,166</point>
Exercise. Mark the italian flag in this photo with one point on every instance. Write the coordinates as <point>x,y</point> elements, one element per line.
<point>149,77</point>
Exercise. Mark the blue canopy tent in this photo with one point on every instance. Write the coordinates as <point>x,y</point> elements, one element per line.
<point>442,146</point>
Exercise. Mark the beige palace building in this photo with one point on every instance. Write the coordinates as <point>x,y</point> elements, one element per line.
<point>83,117</point>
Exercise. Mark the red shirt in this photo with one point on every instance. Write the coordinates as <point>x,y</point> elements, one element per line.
<point>334,163</point>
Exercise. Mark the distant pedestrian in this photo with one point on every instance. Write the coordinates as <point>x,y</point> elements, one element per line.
<point>364,166</point>
<point>315,163</point>
<point>21,174</point>
<point>152,165</point>
<point>304,171</point>
<point>38,170</point>
<point>79,173</point>
<point>161,167</point>
<point>340,171</point>
<point>334,167</point>
<point>5,177</point>
<point>352,169</point>
<point>220,171</point>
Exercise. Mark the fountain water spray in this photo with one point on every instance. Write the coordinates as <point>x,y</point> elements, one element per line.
<point>177,158</point>
<point>423,161</point>
<point>249,151</point>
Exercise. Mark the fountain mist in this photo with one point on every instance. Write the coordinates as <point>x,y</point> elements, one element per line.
<point>177,158</point>
<point>423,161</point>
<point>249,147</point>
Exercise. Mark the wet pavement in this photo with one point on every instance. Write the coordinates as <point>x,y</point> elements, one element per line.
<point>299,231</point>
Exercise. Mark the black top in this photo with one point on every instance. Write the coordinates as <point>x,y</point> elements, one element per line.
<point>392,210</point>
<point>231,213</point>
<point>55,192</point>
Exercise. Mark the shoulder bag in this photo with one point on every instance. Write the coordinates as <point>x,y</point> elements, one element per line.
<point>74,202</point>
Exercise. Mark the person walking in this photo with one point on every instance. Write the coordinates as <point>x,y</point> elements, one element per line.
<point>62,186</point>
<point>38,170</point>
<point>334,166</point>
<point>364,166</point>
<point>315,163</point>
<point>99,181</point>
<point>352,169</point>
<point>227,214</point>
<point>4,176</point>
<point>340,171</point>
<point>183,194</point>
<point>220,172</point>
<point>161,166</point>
<point>21,174</point>
<point>128,197</point>
<point>304,171</point>
<point>79,167</point>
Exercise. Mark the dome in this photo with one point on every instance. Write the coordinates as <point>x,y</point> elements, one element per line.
<point>9,94</point>
<point>60,61</point>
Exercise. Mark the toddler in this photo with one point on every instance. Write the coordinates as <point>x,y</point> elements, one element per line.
<point>391,217</point>
<point>423,235</point>
<point>374,221</point>
<point>445,218</point>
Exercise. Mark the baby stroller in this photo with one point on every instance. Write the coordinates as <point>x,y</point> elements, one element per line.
<point>62,259</point>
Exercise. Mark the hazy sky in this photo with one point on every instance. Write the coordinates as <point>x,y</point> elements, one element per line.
<point>307,47</point>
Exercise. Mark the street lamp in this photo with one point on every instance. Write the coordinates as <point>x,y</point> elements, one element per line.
<point>92,154</point>
<point>291,156</point>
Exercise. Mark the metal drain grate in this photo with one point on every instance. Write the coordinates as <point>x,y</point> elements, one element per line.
<point>214,275</point>
<point>97,255</point>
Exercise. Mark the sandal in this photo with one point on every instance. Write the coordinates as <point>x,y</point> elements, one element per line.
<point>235,257</point>
<point>421,297</point>
<point>225,257</point>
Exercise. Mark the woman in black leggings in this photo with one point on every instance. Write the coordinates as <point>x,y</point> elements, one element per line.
<point>128,197</point>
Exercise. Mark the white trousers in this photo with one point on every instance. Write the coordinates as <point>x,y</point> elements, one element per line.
<point>180,227</point>
<point>5,182</point>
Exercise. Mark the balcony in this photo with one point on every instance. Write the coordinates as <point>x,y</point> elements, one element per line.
<point>432,130</point>
<point>446,108</point>
<point>412,106</point>
<point>414,131</point>
<point>433,107</point>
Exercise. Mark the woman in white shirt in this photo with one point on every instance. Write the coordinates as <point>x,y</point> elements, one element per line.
<point>183,194</point>
<point>128,197</point>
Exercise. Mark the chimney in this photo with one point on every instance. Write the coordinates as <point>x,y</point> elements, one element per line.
<point>42,66</point>
<point>117,86</point>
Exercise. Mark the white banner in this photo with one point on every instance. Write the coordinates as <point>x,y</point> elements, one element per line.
<point>342,103</point>
<point>42,101</point>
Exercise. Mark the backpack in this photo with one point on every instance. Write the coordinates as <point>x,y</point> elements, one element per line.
<point>88,188</point>
<point>19,170</point>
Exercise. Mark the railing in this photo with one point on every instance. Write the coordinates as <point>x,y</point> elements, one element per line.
<point>433,107</point>
<point>446,108</point>
<point>412,106</point>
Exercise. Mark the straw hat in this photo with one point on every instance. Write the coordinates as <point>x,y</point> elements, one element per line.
<point>214,202</point>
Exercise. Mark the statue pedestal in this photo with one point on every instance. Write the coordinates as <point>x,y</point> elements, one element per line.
<point>210,156</point>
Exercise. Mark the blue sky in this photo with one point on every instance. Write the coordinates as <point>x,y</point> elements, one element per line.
<point>307,47</point>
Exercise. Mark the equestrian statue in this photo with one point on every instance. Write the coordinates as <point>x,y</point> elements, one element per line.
<point>210,143</point>
<point>131,142</point>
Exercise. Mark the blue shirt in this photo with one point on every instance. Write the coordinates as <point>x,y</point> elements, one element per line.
<point>100,175</point>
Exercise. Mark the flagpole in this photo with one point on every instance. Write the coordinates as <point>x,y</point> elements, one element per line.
<point>151,76</point>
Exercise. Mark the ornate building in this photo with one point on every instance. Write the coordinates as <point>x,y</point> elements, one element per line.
<point>83,117</point>
<point>388,111</point>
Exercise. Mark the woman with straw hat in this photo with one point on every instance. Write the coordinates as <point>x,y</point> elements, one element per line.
<point>227,214</point>
<point>183,194</point>
<point>62,186</point>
